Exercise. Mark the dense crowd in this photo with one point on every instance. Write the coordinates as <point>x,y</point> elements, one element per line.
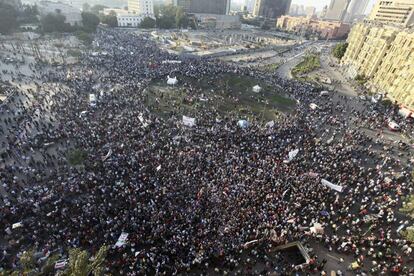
<point>190,199</point>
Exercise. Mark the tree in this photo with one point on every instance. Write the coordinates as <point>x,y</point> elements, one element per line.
<point>339,50</point>
<point>181,18</point>
<point>86,7</point>
<point>28,14</point>
<point>166,17</point>
<point>8,21</point>
<point>90,21</point>
<point>54,22</point>
<point>110,20</point>
<point>148,23</point>
<point>80,265</point>
<point>96,9</point>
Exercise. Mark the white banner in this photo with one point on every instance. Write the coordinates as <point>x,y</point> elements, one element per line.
<point>332,186</point>
<point>188,121</point>
<point>122,239</point>
<point>293,153</point>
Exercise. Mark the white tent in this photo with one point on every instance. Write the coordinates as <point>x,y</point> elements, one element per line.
<point>332,186</point>
<point>313,106</point>
<point>270,124</point>
<point>393,125</point>
<point>257,89</point>
<point>243,123</point>
<point>172,81</point>
<point>188,121</point>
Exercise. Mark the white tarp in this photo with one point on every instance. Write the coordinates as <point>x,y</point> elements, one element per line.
<point>243,123</point>
<point>324,93</point>
<point>17,225</point>
<point>257,89</point>
<point>404,112</point>
<point>293,153</point>
<point>317,229</point>
<point>122,239</point>
<point>393,125</point>
<point>172,81</point>
<point>188,121</point>
<point>313,106</point>
<point>332,186</point>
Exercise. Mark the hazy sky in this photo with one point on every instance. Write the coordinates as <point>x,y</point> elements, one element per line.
<point>319,4</point>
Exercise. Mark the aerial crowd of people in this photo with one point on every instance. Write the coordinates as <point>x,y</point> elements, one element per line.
<point>213,197</point>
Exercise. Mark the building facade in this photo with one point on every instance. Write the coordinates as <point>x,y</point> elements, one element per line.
<point>384,55</point>
<point>129,20</point>
<point>312,26</point>
<point>144,8</point>
<point>204,6</point>
<point>397,12</point>
<point>271,8</point>
<point>356,10</point>
<point>72,15</point>
<point>336,10</point>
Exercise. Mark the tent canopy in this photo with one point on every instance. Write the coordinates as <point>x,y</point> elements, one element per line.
<point>172,81</point>
<point>243,123</point>
<point>257,89</point>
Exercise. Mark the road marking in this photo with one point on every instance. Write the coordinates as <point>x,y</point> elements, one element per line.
<point>333,257</point>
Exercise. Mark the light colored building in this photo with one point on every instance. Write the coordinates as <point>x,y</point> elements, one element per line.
<point>141,7</point>
<point>337,10</point>
<point>395,76</point>
<point>117,11</point>
<point>129,20</point>
<point>310,11</point>
<point>204,6</point>
<point>384,55</point>
<point>72,15</point>
<point>218,21</point>
<point>271,8</point>
<point>356,10</point>
<point>398,12</point>
<point>307,25</point>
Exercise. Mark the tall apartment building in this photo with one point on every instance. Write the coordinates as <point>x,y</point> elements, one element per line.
<point>337,10</point>
<point>398,12</point>
<point>395,76</point>
<point>204,6</point>
<point>271,8</point>
<point>384,54</point>
<point>356,10</point>
<point>144,8</point>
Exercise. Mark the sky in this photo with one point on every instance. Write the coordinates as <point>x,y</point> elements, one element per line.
<point>319,4</point>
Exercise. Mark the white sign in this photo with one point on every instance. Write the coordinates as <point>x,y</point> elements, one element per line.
<point>188,121</point>
<point>122,239</point>
<point>332,186</point>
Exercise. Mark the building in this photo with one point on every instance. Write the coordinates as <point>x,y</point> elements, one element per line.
<point>337,10</point>
<point>398,12</point>
<point>310,11</point>
<point>218,21</point>
<point>384,55</point>
<point>72,15</point>
<point>296,10</point>
<point>395,76</point>
<point>141,7</point>
<point>204,6</point>
<point>129,20</point>
<point>311,26</point>
<point>271,8</point>
<point>356,10</point>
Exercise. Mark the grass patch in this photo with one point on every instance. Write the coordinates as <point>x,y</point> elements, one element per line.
<point>270,67</point>
<point>76,157</point>
<point>230,95</point>
<point>74,53</point>
<point>309,63</point>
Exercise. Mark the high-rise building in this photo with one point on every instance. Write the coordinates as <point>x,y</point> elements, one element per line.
<point>397,12</point>
<point>271,8</point>
<point>204,6</point>
<point>337,10</point>
<point>141,7</point>
<point>310,11</point>
<point>384,55</point>
<point>356,10</point>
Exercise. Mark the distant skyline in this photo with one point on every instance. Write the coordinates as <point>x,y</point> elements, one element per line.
<point>319,4</point>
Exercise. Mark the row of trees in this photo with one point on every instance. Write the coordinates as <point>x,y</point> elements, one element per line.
<point>79,263</point>
<point>168,17</point>
<point>11,18</point>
